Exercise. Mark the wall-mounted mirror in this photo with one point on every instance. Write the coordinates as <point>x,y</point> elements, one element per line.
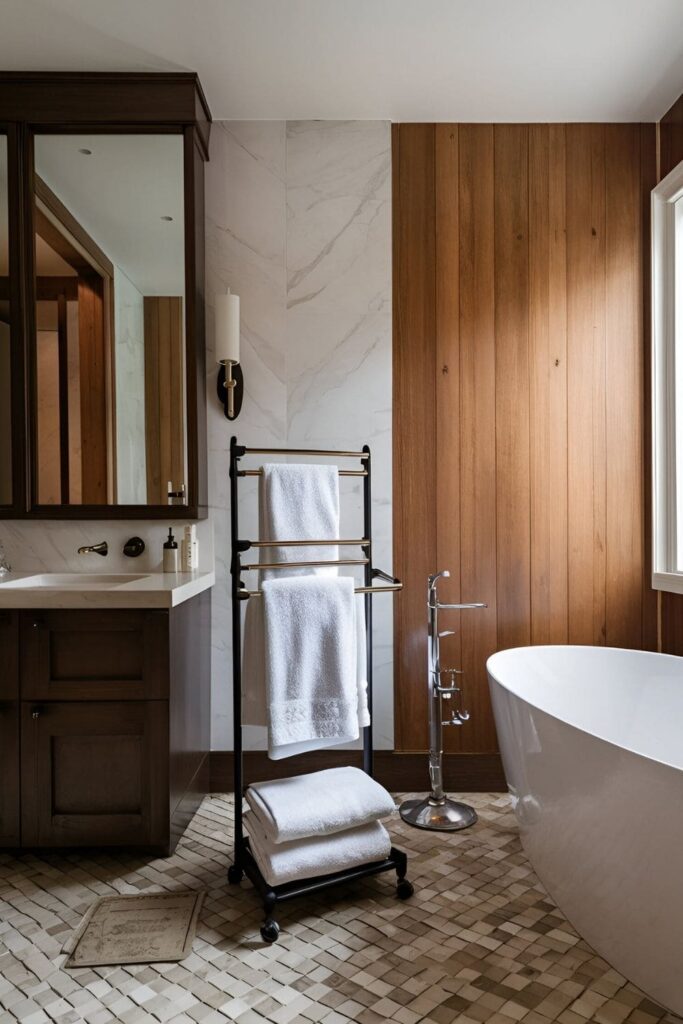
<point>5,334</point>
<point>109,367</point>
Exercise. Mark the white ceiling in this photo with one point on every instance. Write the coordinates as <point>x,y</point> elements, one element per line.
<point>459,60</point>
<point>120,194</point>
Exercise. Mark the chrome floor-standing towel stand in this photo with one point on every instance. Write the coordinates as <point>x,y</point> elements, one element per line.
<point>437,811</point>
<point>243,862</point>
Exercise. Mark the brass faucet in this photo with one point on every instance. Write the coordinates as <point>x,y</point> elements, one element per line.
<point>97,549</point>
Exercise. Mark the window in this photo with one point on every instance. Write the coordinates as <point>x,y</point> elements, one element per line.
<point>667,381</point>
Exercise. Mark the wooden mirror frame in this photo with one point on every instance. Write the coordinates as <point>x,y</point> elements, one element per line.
<point>34,103</point>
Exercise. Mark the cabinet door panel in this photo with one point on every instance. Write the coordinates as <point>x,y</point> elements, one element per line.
<point>95,773</point>
<point>9,729</point>
<point>94,655</point>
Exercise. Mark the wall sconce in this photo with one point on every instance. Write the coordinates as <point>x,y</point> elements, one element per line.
<point>230,387</point>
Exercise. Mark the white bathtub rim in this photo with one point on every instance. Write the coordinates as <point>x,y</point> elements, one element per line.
<point>558,717</point>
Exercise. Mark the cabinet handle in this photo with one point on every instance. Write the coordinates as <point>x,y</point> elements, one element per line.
<point>36,712</point>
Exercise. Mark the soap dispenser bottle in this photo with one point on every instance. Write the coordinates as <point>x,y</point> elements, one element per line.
<point>171,553</point>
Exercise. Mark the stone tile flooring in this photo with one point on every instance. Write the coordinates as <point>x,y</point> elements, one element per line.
<point>479,941</point>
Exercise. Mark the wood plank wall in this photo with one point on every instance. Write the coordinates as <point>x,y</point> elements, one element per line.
<point>164,396</point>
<point>520,336</point>
<point>670,154</point>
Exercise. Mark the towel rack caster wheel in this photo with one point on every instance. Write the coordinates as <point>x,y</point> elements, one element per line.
<point>404,889</point>
<point>235,874</point>
<point>270,930</point>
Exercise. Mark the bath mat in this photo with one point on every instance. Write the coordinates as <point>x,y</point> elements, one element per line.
<point>136,929</point>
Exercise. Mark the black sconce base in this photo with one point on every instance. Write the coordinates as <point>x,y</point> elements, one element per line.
<point>237,391</point>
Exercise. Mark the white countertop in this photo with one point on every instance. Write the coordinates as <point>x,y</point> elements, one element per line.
<point>149,590</point>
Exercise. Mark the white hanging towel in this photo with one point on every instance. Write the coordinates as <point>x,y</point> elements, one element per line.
<point>296,502</point>
<point>310,663</point>
<point>321,855</point>
<point>316,804</point>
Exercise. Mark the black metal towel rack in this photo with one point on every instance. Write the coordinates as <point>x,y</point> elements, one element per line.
<point>243,862</point>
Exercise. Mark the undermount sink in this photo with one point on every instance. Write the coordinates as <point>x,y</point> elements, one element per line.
<point>79,580</point>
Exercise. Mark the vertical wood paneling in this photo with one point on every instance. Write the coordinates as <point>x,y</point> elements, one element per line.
<point>534,240</point>
<point>414,419</point>
<point>624,391</point>
<point>548,383</point>
<point>477,430</point>
<point>648,180</point>
<point>586,382</point>
<point>164,391</point>
<point>93,391</point>
<point>670,154</point>
<point>511,303</point>
<point>447,300</point>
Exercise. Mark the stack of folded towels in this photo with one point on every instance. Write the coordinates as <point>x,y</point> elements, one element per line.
<point>317,824</point>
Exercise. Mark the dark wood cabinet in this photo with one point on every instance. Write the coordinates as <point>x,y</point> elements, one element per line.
<point>9,729</point>
<point>104,725</point>
<point>94,655</point>
<point>83,479</point>
<point>94,773</point>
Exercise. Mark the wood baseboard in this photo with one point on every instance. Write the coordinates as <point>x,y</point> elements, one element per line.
<point>399,772</point>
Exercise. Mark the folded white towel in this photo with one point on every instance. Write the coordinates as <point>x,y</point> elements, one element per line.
<point>320,855</point>
<point>310,663</point>
<point>320,803</point>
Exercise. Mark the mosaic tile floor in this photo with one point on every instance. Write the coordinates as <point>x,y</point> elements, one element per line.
<point>479,941</point>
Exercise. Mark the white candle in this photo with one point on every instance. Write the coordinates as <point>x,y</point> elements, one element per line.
<point>227,328</point>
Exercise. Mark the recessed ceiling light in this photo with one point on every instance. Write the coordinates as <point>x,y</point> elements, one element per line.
<point>86,152</point>
<point>166,217</point>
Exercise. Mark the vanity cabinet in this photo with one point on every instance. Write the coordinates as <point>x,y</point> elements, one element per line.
<point>94,655</point>
<point>9,729</point>
<point>94,773</point>
<point>105,730</point>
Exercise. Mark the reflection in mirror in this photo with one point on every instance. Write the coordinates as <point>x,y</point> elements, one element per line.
<point>110,324</point>
<point>5,364</point>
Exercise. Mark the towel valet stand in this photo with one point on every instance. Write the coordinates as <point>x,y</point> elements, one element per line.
<point>244,862</point>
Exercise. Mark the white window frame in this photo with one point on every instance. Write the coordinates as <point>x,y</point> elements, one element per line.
<point>665,575</point>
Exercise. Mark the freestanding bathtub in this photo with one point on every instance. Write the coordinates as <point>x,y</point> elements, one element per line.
<point>592,746</point>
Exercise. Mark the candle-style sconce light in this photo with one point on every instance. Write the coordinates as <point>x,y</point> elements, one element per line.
<point>230,386</point>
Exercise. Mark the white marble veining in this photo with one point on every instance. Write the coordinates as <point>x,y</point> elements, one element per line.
<point>34,546</point>
<point>299,224</point>
<point>131,469</point>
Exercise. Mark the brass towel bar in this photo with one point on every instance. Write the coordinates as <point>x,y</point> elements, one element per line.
<point>342,472</point>
<point>243,595</point>
<point>304,565</point>
<point>361,542</point>
<point>304,451</point>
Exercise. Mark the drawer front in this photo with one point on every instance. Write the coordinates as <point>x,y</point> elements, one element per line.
<point>94,655</point>
<point>95,773</point>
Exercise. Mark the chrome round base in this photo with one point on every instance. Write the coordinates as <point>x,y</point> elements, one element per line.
<point>439,815</point>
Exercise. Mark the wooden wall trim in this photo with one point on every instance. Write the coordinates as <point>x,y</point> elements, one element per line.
<point>671,138</point>
<point>414,410</point>
<point>520,408</point>
<point>671,154</point>
<point>399,772</point>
